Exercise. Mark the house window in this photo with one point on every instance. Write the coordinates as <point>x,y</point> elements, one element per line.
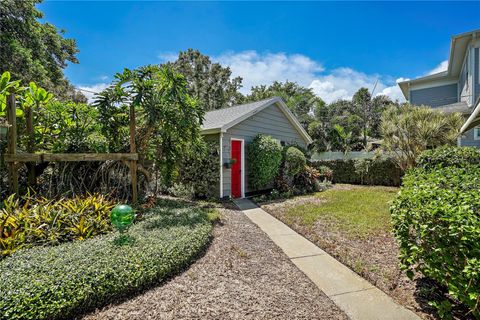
<point>476,133</point>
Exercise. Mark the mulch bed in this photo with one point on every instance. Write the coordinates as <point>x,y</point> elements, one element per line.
<point>374,258</point>
<point>243,275</point>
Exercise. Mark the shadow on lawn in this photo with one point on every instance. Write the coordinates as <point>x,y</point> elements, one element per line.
<point>174,212</point>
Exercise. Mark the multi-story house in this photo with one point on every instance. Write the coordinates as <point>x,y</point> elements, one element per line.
<point>455,90</point>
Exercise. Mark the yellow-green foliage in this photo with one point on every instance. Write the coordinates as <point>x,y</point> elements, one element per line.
<point>32,221</point>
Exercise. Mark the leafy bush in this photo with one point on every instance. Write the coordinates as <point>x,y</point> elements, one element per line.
<point>383,172</point>
<point>449,156</point>
<point>39,221</point>
<point>325,173</point>
<point>201,171</point>
<point>66,280</point>
<point>264,159</point>
<point>307,180</point>
<point>437,224</point>
<point>180,190</point>
<point>294,161</point>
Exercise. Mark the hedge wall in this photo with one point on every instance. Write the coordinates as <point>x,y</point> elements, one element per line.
<point>381,172</point>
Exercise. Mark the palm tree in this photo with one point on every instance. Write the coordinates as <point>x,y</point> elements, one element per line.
<point>345,138</point>
<point>409,130</point>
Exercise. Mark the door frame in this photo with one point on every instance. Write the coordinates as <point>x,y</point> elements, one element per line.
<point>242,178</point>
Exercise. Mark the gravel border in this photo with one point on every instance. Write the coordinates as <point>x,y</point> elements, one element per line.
<point>243,275</point>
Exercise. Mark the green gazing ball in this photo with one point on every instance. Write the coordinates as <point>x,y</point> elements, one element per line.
<point>122,216</point>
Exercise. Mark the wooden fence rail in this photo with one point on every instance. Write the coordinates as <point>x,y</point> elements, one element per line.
<point>14,159</point>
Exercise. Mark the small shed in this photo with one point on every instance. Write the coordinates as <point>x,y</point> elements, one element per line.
<point>235,127</point>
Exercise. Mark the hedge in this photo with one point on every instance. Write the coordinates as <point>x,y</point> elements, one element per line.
<point>436,220</point>
<point>201,171</point>
<point>449,156</point>
<point>383,172</point>
<point>264,160</point>
<point>71,278</point>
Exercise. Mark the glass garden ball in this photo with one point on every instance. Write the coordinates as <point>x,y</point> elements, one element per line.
<point>122,216</point>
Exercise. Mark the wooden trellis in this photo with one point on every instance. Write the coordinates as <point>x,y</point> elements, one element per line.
<point>14,159</point>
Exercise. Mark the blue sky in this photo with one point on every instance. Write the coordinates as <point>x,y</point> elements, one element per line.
<point>335,48</point>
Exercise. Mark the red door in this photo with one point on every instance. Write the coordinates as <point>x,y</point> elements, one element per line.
<point>236,156</point>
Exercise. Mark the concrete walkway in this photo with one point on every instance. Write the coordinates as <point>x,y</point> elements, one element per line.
<point>354,295</point>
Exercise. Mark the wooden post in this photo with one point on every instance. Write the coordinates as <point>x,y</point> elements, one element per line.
<point>32,179</point>
<point>133,149</point>
<point>12,143</point>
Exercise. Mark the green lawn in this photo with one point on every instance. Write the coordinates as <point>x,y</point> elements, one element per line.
<point>357,211</point>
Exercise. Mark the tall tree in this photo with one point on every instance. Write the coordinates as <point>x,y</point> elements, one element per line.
<point>409,130</point>
<point>370,111</point>
<point>168,121</point>
<point>300,100</point>
<point>209,83</point>
<point>35,51</point>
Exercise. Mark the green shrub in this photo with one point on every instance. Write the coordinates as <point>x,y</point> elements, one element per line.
<point>449,156</point>
<point>264,159</point>
<point>201,171</point>
<point>382,172</point>
<point>307,180</point>
<point>69,279</point>
<point>294,161</point>
<point>39,221</point>
<point>436,220</point>
<point>325,173</point>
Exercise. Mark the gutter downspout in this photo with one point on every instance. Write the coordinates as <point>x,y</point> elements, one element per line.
<point>472,117</point>
<point>221,165</point>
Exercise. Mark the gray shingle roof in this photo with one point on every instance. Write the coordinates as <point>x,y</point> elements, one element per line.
<point>461,107</point>
<point>218,118</point>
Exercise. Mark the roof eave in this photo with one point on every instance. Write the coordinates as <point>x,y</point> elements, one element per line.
<point>211,131</point>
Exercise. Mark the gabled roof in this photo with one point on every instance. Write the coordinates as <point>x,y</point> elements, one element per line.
<point>223,119</point>
<point>458,48</point>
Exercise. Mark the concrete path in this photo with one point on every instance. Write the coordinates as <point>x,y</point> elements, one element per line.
<point>354,295</point>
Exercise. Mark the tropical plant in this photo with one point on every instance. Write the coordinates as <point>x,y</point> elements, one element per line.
<point>30,221</point>
<point>264,159</point>
<point>64,281</point>
<point>168,122</point>
<point>7,86</point>
<point>345,138</point>
<point>308,180</point>
<point>410,130</point>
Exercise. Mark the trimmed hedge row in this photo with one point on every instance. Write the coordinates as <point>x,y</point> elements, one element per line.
<point>71,278</point>
<point>383,172</point>
<point>449,157</point>
<point>436,220</point>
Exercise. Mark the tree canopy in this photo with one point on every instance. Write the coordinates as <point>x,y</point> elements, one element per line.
<point>209,83</point>
<point>300,100</point>
<point>168,118</point>
<point>35,51</point>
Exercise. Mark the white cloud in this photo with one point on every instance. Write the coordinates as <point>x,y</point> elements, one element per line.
<point>264,68</point>
<point>342,83</point>
<point>394,91</point>
<point>443,66</point>
<point>167,57</point>
<point>257,69</point>
<point>89,91</point>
